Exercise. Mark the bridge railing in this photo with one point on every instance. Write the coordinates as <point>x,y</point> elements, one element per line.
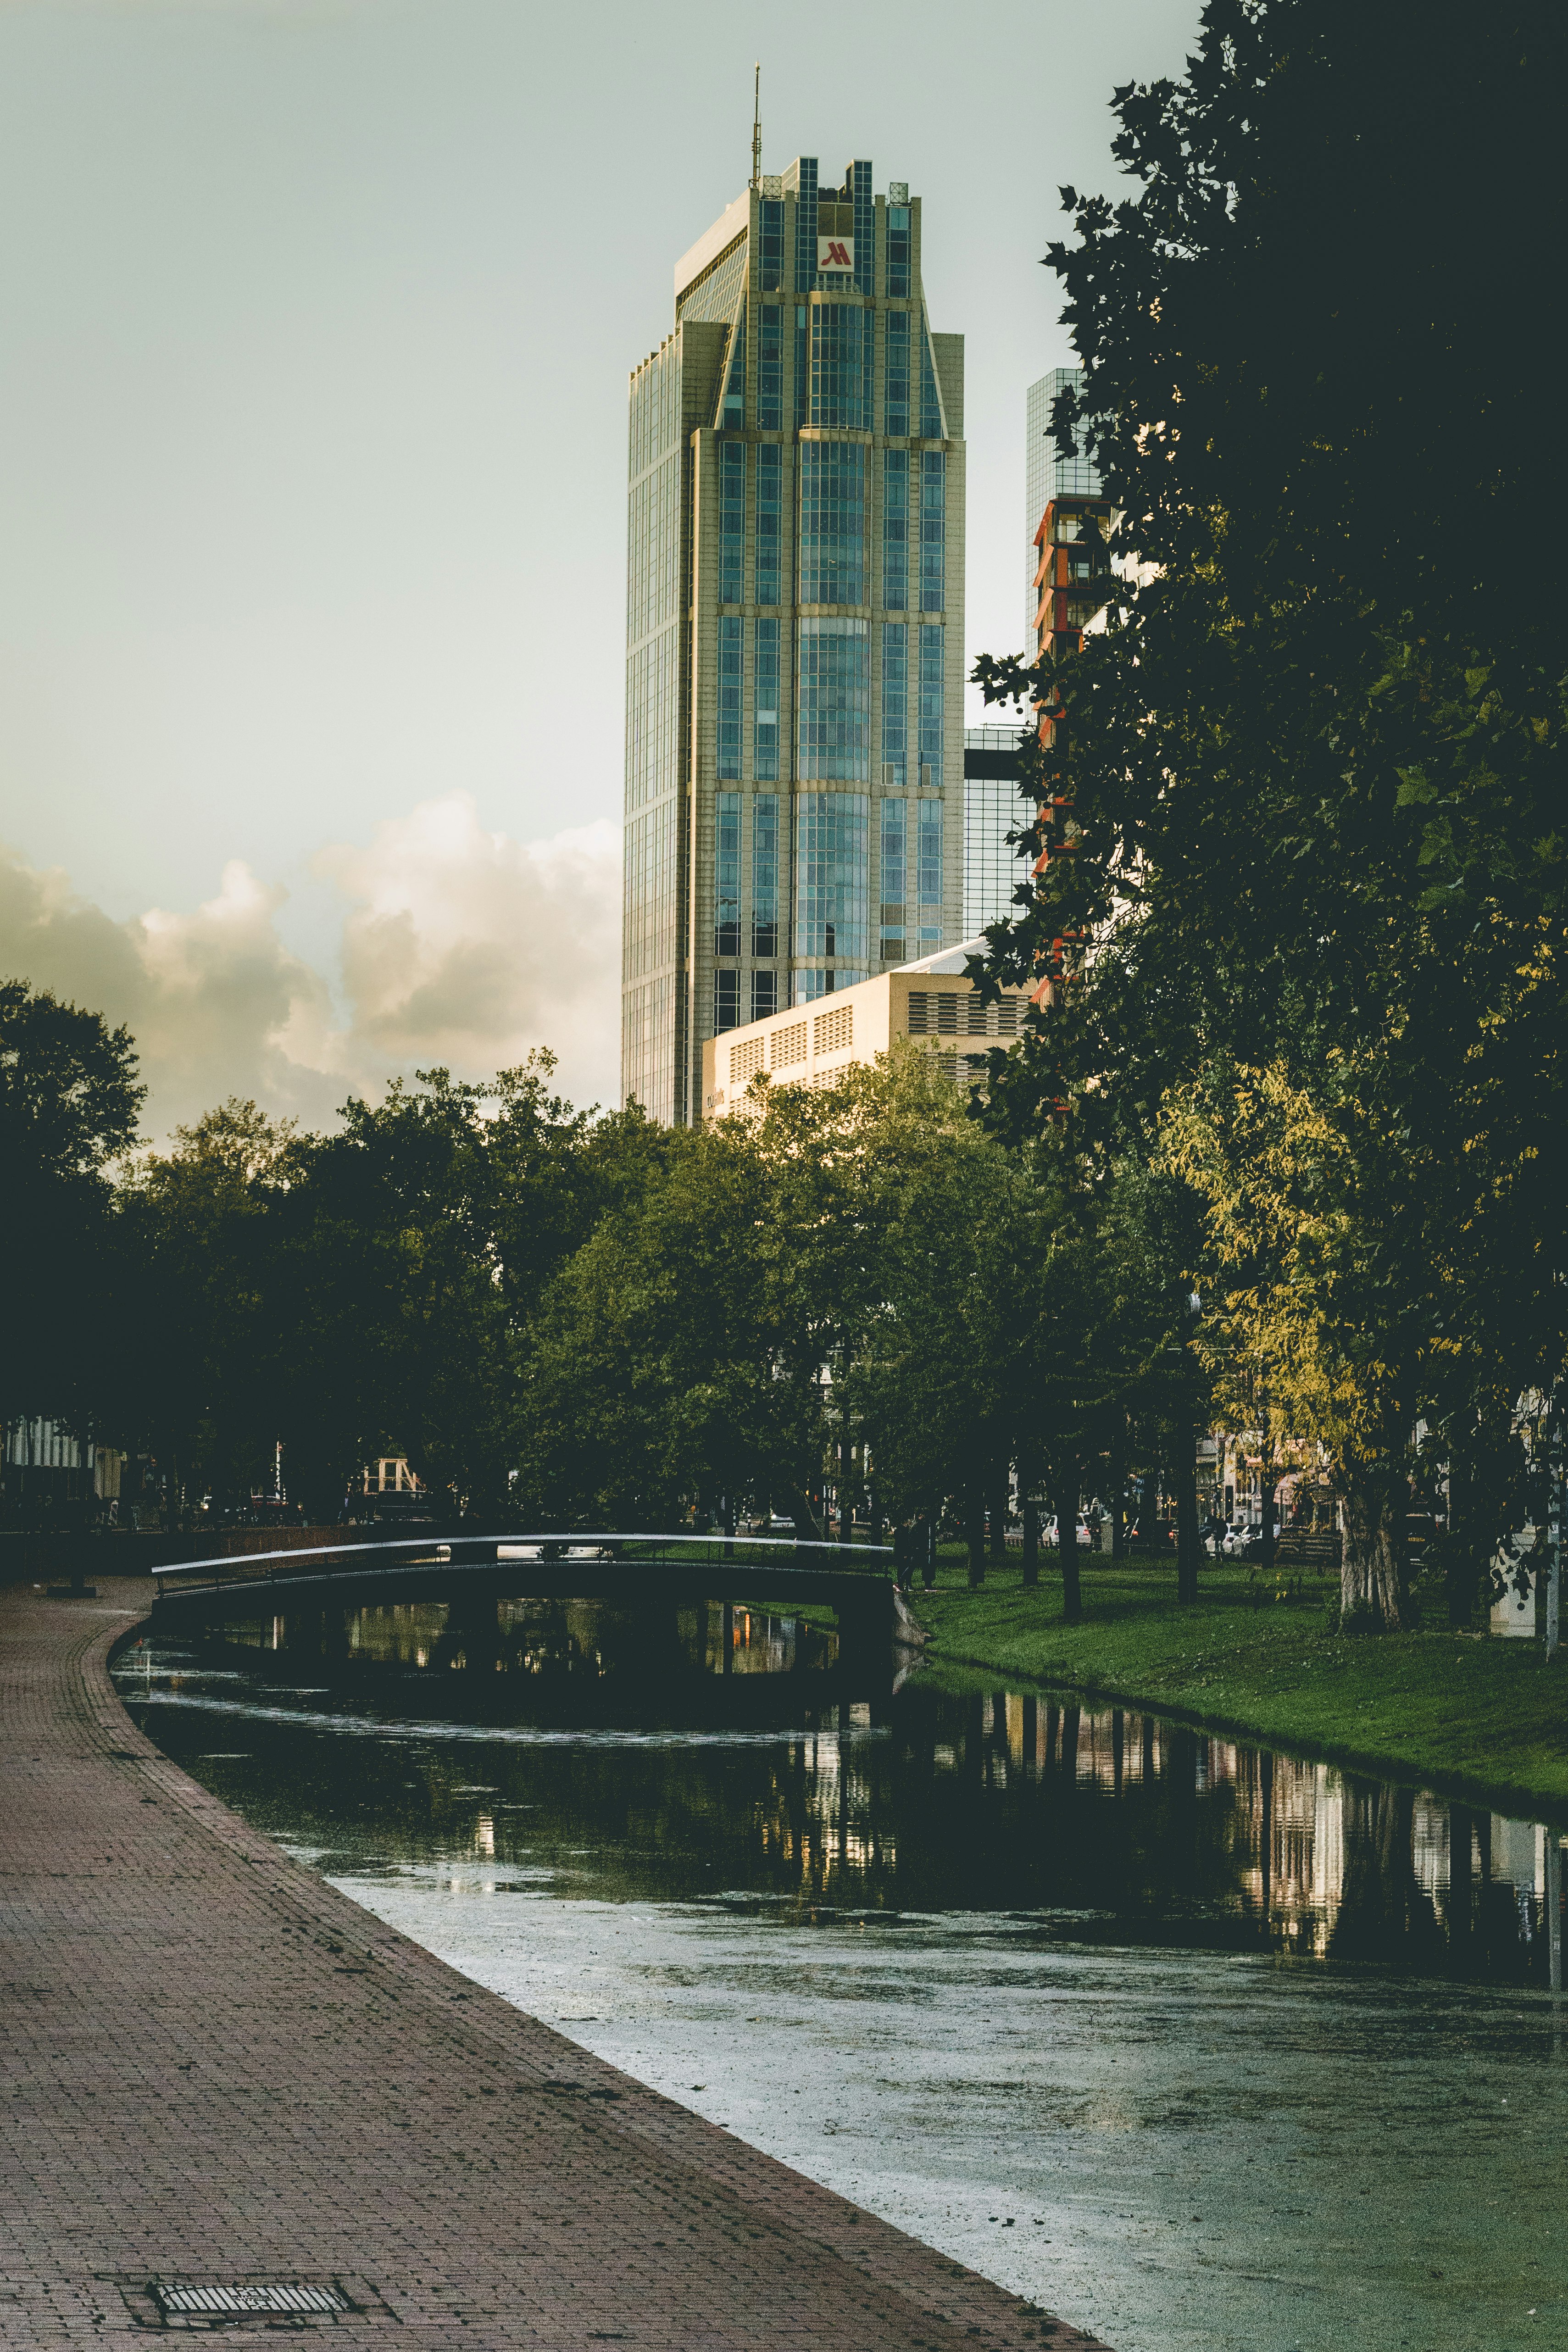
<point>328,1564</point>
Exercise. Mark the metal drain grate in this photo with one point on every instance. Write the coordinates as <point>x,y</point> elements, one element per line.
<point>229,2301</point>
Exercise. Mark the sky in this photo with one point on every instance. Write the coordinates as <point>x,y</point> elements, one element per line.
<point>315,323</point>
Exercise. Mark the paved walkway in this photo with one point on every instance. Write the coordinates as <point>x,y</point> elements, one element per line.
<point>218,2069</point>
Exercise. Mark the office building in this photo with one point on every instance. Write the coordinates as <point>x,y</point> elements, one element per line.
<point>795,630</point>
<point>1048,476</point>
<point>929,1000</point>
<point>992,810</point>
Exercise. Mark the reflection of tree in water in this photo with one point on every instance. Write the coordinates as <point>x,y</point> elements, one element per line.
<point>640,1771</point>
<point>1381,1910</point>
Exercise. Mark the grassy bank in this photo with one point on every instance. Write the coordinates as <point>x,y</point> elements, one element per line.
<point>1483,1717</point>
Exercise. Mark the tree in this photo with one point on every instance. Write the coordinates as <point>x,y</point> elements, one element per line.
<point>199,1224</point>
<point>1315,762</point>
<point>69,1103</point>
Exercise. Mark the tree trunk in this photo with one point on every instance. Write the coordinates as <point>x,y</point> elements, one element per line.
<point>1031,1544</point>
<point>999,1518</point>
<point>1187,1544</point>
<point>1371,1570</point>
<point>1064,1495</point>
<point>975,1516</point>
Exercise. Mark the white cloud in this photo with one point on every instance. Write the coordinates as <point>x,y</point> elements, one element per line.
<point>458,946</point>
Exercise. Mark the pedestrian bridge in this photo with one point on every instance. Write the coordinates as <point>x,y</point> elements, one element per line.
<point>627,1570</point>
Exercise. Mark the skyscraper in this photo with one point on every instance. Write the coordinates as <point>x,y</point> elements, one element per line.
<point>794,625</point>
<point>1048,475</point>
<point>992,810</point>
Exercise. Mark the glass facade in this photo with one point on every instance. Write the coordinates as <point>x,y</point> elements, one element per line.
<point>895,530</point>
<point>992,810</point>
<point>771,237</point>
<point>733,414</point>
<point>897,252</point>
<point>933,682</point>
<point>834,698</point>
<point>770,520</point>
<point>895,704</point>
<point>731,694</point>
<point>896,374</point>
<point>832,523</point>
<point>895,878</point>
<point>931,404</point>
<point>731,521</point>
<point>727,875</point>
<point>832,876</point>
<point>766,703</point>
<point>777,562</point>
<point>1048,475</point>
<point>766,875</point>
<point>840,390</point>
<point>933,529</point>
<point>928,872</point>
<point>770,368</point>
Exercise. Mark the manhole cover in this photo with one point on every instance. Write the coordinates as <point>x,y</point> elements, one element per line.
<point>237,2299</point>
<point>198,2303</point>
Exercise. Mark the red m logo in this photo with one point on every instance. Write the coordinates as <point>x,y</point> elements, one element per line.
<point>836,257</point>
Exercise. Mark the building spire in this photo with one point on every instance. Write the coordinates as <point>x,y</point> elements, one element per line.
<point>757,128</point>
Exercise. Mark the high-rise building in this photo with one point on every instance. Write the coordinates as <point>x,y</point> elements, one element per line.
<point>795,809</point>
<point>992,810</point>
<point>1048,476</point>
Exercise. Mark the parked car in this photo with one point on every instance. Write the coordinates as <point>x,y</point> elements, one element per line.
<point>779,1524</point>
<point>1050,1536</point>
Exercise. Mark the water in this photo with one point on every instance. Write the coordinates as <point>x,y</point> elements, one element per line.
<point>1207,2048</point>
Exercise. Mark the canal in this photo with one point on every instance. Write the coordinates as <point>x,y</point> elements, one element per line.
<point>1207,2048</point>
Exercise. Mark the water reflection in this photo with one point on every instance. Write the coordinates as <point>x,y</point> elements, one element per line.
<point>708,1751</point>
<point>1209,2049</point>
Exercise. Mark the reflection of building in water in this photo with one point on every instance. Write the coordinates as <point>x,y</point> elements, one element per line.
<point>1298,1843</point>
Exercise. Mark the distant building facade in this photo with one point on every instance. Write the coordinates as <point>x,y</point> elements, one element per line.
<point>810,1045</point>
<point>1048,475</point>
<point>992,810</point>
<point>794,791</point>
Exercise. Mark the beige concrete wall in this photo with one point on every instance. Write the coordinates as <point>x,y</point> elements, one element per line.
<point>811,1044</point>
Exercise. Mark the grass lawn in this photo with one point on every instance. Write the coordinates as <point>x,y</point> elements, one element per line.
<point>1471,1716</point>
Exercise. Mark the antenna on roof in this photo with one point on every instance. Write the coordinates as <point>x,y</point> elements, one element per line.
<point>757,129</point>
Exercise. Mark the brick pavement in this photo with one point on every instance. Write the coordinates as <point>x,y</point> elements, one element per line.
<point>218,2068</point>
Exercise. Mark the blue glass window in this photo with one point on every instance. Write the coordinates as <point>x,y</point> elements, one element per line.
<point>895,852</point>
<point>833,700</point>
<point>896,374</point>
<point>933,529</point>
<point>802,377</point>
<point>805,222</point>
<point>771,240</point>
<point>930,406</point>
<point>727,877</point>
<point>895,530</point>
<point>764,994</point>
<point>832,523</point>
<point>731,669</point>
<point>734,416</point>
<point>831,880</point>
<point>932,662</point>
<point>928,868</point>
<point>770,369</point>
<point>766,876</point>
<point>731,521</point>
<point>840,377</point>
<point>726,1000</point>
<point>770,476</point>
<point>897,253</point>
<point>895,702</point>
<point>765,704</point>
<point>810,985</point>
